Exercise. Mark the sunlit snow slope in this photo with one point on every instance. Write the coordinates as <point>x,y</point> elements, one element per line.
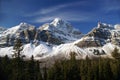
<point>58,39</point>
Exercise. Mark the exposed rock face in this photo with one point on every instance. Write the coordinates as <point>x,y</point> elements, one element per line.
<point>47,36</point>
<point>101,35</point>
<point>83,44</point>
<point>24,31</point>
<point>56,32</point>
<point>61,30</point>
<point>2,30</point>
<point>43,42</point>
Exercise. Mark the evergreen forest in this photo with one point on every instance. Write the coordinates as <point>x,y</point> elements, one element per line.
<point>17,68</point>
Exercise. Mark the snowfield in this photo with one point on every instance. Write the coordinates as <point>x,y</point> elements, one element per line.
<point>43,51</point>
<point>107,36</point>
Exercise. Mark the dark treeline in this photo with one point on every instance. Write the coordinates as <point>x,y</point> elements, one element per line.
<point>18,69</point>
<point>88,69</point>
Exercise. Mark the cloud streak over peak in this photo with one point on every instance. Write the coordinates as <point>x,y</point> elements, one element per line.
<point>64,15</point>
<point>78,12</point>
<point>63,11</point>
<point>56,8</point>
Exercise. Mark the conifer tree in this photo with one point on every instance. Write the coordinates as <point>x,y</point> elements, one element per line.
<point>116,54</point>
<point>31,68</point>
<point>114,64</point>
<point>17,48</point>
<point>38,69</point>
<point>101,77</point>
<point>74,70</point>
<point>57,72</point>
<point>45,76</point>
<point>5,67</point>
<point>107,70</point>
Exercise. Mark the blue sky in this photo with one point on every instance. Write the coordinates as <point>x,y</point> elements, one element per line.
<point>82,14</point>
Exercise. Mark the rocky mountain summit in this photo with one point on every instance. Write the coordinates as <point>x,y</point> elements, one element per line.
<point>2,30</point>
<point>59,39</point>
<point>101,35</point>
<point>24,31</point>
<point>56,32</point>
<point>59,31</point>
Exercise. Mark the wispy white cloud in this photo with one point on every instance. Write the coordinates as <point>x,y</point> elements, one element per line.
<point>52,9</point>
<point>55,8</point>
<point>69,16</point>
<point>112,8</point>
<point>111,5</point>
<point>62,11</point>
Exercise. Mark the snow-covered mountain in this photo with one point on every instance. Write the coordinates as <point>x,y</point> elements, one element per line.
<point>61,31</point>
<point>2,29</point>
<point>24,31</point>
<point>58,39</point>
<point>56,32</point>
<point>101,35</point>
<point>17,29</point>
<point>45,52</point>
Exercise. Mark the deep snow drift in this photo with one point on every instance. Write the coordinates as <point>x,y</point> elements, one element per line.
<point>68,37</point>
<point>43,51</point>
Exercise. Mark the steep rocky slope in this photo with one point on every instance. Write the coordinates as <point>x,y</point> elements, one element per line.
<point>58,39</point>
<point>101,35</point>
<point>56,32</point>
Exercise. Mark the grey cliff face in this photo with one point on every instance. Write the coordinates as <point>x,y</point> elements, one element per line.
<point>101,35</point>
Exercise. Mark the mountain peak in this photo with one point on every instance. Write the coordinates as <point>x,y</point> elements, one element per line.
<point>57,19</point>
<point>23,24</point>
<point>104,25</point>
<point>62,30</point>
<point>58,22</point>
<point>2,28</point>
<point>117,26</point>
